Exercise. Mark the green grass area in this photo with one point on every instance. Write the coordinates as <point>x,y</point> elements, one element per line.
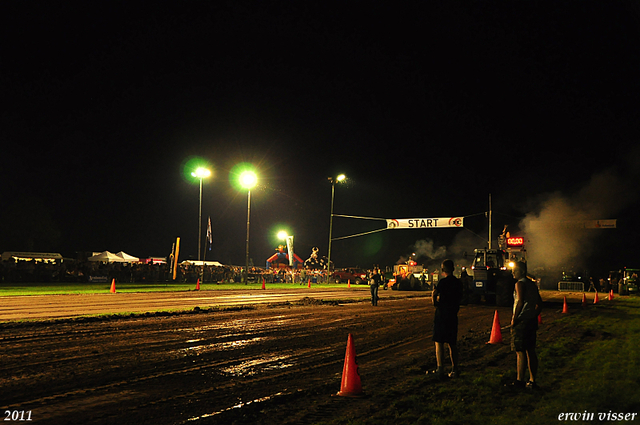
<point>7,289</point>
<point>592,367</point>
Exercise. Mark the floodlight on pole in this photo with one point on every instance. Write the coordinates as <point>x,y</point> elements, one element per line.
<point>289,240</point>
<point>200,173</point>
<point>340,178</point>
<point>248,180</point>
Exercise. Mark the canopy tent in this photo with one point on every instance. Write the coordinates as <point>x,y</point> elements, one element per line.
<point>203,263</point>
<point>128,258</point>
<point>28,256</point>
<point>107,257</point>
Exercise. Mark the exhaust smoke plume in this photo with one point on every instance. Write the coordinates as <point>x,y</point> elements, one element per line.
<point>460,251</point>
<point>556,237</point>
<point>426,248</point>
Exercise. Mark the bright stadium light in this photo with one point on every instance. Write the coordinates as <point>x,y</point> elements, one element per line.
<point>248,180</point>
<point>339,179</point>
<point>200,173</point>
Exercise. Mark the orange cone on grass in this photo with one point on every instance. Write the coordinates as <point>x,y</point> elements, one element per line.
<point>610,295</point>
<point>596,300</point>
<point>584,300</point>
<point>496,333</point>
<point>113,286</point>
<point>565,307</point>
<point>349,283</point>
<point>198,285</point>
<point>263,284</point>
<point>350,385</point>
<point>540,319</point>
<point>309,284</point>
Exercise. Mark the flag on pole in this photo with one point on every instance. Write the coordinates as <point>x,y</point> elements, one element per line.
<point>209,237</point>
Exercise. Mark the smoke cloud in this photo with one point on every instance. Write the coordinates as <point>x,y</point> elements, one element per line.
<point>427,249</point>
<point>555,233</point>
<point>460,251</point>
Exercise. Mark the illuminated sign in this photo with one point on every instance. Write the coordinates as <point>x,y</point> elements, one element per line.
<point>519,241</point>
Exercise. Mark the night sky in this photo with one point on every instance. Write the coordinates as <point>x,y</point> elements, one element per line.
<point>427,107</point>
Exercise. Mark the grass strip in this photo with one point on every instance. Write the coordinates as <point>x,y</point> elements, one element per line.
<point>591,372</point>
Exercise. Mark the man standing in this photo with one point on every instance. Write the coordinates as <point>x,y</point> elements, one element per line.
<point>446,298</point>
<point>527,305</point>
<point>375,281</point>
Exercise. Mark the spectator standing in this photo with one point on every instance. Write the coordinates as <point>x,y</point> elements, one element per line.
<point>446,297</point>
<point>375,281</point>
<point>527,306</point>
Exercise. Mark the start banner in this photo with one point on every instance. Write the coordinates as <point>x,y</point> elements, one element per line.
<point>424,223</point>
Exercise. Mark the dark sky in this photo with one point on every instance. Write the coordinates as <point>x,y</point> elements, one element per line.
<point>428,108</point>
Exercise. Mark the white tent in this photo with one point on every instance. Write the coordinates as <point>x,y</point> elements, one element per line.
<point>28,256</point>
<point>128,258</point>
<point>203,263</point>
<point>107,257</point>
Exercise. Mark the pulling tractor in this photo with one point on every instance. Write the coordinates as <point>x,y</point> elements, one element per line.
<point>408,277</point>
<point>627,281</point>
<point>492,272</point>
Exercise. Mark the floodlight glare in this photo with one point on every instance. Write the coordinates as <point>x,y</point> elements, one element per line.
<point>282,234</point>
<point>341,177</point>
<point>201,172</point>
<point>248,179</point>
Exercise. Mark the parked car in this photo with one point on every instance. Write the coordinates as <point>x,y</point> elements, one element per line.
<point>356,275</point>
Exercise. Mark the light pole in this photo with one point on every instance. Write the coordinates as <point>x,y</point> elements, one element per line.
<point>248,180</point>
<point>200,173</point>
<point>333,181</point>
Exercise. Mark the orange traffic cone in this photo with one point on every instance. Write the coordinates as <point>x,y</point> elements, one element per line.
<point>596,300</point>
<point>539,318</point>
<point>496,333</point>
<point>565,307</point>
<point>349,283</point>
<point>263,284</point>
<point>611,295</point>
<point>309,284</point>
<point>350,385</point>
<point>584,300</point>
<point>198,285</point>
<point>113,286</point>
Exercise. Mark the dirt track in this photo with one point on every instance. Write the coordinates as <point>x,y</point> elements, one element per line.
<point>63,306</point>
<point>270,364</point>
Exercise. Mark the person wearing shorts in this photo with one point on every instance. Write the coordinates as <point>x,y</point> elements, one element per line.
<point>527,305</point>
<point>446,298</point>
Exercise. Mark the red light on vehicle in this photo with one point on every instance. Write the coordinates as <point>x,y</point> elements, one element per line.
<point>515,241</point>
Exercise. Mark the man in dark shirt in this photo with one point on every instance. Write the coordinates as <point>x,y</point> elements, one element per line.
<point>375,281</point>
<point>446,298</point>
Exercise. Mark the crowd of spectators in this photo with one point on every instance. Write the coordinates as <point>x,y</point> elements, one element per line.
<point>72,271</point>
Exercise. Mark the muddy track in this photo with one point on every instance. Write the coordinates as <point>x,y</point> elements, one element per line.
<point>266,365</point>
